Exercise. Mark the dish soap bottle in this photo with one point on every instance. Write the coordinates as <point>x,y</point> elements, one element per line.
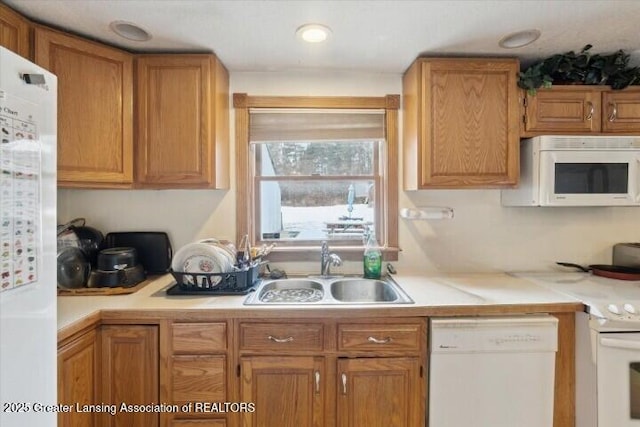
<point>372,257</point>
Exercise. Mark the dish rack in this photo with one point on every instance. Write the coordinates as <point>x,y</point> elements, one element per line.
<point>239,282</point>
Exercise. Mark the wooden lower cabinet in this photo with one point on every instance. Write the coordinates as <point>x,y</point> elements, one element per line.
<point>195,373</point>
<point>77,375</point>
<point>287,391</point>
<point>130,359</point>
<point>379,392</point>
<point>285,372</point>
<point>333,373</point>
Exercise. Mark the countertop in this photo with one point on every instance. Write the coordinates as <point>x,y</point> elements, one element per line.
<point>441,295</point>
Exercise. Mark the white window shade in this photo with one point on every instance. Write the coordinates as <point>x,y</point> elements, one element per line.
<point>269,125</point>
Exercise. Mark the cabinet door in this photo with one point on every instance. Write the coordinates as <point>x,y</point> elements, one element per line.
<point>95,145</point>
<point>380,392</point>
<point>14,31</point>
<point>563,109</point>
<point>130,359</point>
<point>77,380</point>
<point>287,391</point>
<point>468,121</point>
<point>621,110</point>
<point>180,115</point>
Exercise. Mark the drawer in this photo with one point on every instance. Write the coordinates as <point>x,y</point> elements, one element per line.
<point>401,336</point>
<point>281,336</point>
<point>199,338</point>
<point>198,379</point>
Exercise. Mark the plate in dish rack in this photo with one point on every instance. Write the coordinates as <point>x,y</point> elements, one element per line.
<point>226,254</point>
<point>199,258</point>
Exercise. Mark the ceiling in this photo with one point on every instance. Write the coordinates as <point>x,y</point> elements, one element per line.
<point>373,36</point>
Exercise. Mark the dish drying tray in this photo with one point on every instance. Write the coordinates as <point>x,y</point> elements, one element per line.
<point>239,282</point>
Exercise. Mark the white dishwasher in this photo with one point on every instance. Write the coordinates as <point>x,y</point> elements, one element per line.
<point>492,371</point>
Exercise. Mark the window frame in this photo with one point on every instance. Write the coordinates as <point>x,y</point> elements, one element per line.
<point>388,227</point>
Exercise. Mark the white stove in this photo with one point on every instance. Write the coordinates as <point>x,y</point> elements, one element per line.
<point>613,304</point>
<point>607,346</point>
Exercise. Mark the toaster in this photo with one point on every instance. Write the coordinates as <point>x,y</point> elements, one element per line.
<point>626,254</point>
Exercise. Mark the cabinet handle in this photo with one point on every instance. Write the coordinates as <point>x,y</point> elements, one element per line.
<point>614,111</point>
<point>592,109</point>
<point>317,382</point>
<point>280,340</point>
<point>374,340</point>
<point>344,383</point>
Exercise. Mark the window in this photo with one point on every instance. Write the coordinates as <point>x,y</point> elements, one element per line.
<point>315,169</point>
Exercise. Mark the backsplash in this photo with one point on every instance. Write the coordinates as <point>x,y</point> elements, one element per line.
<point>483,236</point>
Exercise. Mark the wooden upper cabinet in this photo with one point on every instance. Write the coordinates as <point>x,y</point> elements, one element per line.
<point>621,110</point>
<point>575,110</point>
<point>183,125</point>
<point>95,122</point>
<point>461,126</point>
<point>563,109</point>
<point>14,31</point>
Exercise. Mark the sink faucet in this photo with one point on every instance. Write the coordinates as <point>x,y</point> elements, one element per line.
<point>327,260</point>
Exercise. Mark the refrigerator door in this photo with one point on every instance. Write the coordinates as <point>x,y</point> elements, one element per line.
<point>27,243</point>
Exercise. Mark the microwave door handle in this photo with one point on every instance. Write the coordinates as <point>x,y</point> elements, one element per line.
<point>620,343</point>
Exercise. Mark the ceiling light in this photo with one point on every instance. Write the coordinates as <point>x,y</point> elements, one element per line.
<point>129,31</point>
<point>519,39</point>
<point>313,33</point>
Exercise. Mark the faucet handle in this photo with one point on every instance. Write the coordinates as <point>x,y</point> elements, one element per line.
<point>335,260</point>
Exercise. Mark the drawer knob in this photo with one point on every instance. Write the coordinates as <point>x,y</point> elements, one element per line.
<point>280,340</point>
<point>375,340</point>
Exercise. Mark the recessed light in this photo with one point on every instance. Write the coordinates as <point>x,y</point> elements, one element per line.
<point>129,31</point>
<point>313,33</point>
<point>519,39</point>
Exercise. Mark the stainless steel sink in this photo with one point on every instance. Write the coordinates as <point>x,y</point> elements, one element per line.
<point>363,290</point>
<point>328,291</point>
<point>291,291</point>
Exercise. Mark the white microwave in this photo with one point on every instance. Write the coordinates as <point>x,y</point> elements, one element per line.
<point>577,171</point>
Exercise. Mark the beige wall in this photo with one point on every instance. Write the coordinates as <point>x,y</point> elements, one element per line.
<point>482,236</point>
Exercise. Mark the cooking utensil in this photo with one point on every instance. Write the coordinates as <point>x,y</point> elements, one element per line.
<point>76,233</point>
<point>125,277</point>
<point>153,247</point>
<point>606,270</point>
<point>113,259</point>
<point>73,268</point>
<point>626,254</point>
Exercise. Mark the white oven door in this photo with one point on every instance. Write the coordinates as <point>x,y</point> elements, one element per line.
<point>589,178</point>
<point>618,365</point>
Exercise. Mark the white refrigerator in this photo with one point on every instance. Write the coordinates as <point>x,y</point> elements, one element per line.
<point>28,96</point>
